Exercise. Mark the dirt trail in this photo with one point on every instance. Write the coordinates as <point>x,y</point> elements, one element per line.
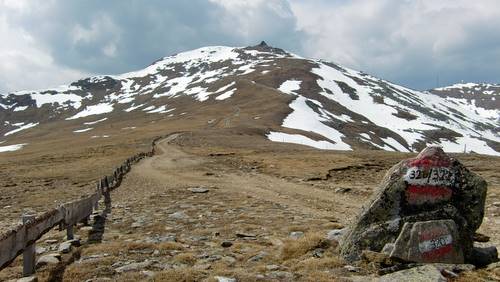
<point>174,166</point>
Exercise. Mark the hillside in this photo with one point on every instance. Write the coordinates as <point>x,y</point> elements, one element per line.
<point>267,211</point>
<point>310,102</point>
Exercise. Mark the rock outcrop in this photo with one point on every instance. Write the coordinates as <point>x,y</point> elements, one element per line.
<point>426,210</point>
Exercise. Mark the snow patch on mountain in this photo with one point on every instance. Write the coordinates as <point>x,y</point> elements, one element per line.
<point>21,127</point>
<point>300,139</point>
<point>306,119</point>
<point>94,122</point>
<point>290,86</point>
<point>83,130</point>
<point>226,95</point>
<point>98,109</point>
<point>12,148</point>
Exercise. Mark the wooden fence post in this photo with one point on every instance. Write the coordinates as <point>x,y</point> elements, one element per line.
<point>29,252</point>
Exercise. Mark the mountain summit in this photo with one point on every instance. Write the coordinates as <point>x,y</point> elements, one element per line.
<point>265,91</point>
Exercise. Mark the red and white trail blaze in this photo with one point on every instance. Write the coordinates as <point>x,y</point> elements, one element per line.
<point>429,181</point>
<point>435,243</point>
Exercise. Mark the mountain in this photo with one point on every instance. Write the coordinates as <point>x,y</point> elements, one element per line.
<point>265,91</point>
<point>483,96</point>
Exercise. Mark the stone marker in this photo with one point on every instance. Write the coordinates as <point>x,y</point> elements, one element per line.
<point>429,241</point>
<point>429,207</point>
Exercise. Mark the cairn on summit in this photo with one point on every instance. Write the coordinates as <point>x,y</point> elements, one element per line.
<point>427,209</point>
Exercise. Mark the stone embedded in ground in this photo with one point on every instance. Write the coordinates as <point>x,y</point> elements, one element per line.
<point>226,244</point>
<point>432,186</point>
<point>48,259</point>
<point>483,256</point>
<point>198,190</point>
<point>245,235</point>
<point>429,241</point>
<point>178,215</point>
<point>225,279</point>
<point>296,235</point>
<point>335,234</point>
<point>135,266</point>
<point>65,247</point>
<point>426,273</point>
<point>27,279</point>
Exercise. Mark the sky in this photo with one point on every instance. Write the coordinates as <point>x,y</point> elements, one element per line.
<point>420,44</point>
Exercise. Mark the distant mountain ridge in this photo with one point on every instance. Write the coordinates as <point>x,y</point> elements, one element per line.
<point>314,102</point>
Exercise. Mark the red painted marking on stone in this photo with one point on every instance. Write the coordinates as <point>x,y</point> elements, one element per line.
<point>433,191</point>
<point>427,162</point>
<point>437,253</point>
<point>433,233</point>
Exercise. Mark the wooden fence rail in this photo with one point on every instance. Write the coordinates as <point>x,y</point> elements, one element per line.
<point>22,238</point>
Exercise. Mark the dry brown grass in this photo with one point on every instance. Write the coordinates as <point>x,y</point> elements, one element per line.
<point>116,248</point>
<point>180,275</point>
<point>319,264</point>
<point>295,248</point>
<point>96,268</point>
<point>185,258</point>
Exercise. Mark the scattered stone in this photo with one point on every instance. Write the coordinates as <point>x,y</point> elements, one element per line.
<point>335,234</point>
<point>213,258</point>
<point>352,268</point>
<point>478,237</point>
<point>425,273</point>
<point>203,266</point>
<point>272,267</point>
<point>281,275</point>
<point>51,241</point>
<point>92,257</point>
<point>258,257</point>
<point>148,273</point>
<point>245,235</point>
<point>198,190</point>
<point>178,215</point>
<point>135,266</point>
<point>483,256</point>
<point>118,264</point>
<point>449,274</point>
<point>48,259</point>
<point>225,279</point>
<point>137,224</point>
<point>296,235</point>
<point>28,279</point>
<point>65,247</point>
<point>429,241</point>
<point>226,244</point>
<point>229,260</point>
<point>376,257</point>
<point>343,190</point>
<point>388,248</point>
<point>160,239</point>
<point>318,253</point>
<point>40,250</point>
<point>430,187</point>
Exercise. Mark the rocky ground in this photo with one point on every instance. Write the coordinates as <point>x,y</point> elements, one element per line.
<point>199,211</point>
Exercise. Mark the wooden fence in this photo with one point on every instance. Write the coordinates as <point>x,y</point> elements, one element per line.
<point>23,237</point>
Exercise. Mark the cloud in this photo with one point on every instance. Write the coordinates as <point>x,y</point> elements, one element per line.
<point>410,42</point>
<point>24,62</point>
<point>407,42</point>
<point>103,37</point>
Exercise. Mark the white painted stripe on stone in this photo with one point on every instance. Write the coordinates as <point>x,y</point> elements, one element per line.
<point>435,243</point>
<point>439,176</point>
